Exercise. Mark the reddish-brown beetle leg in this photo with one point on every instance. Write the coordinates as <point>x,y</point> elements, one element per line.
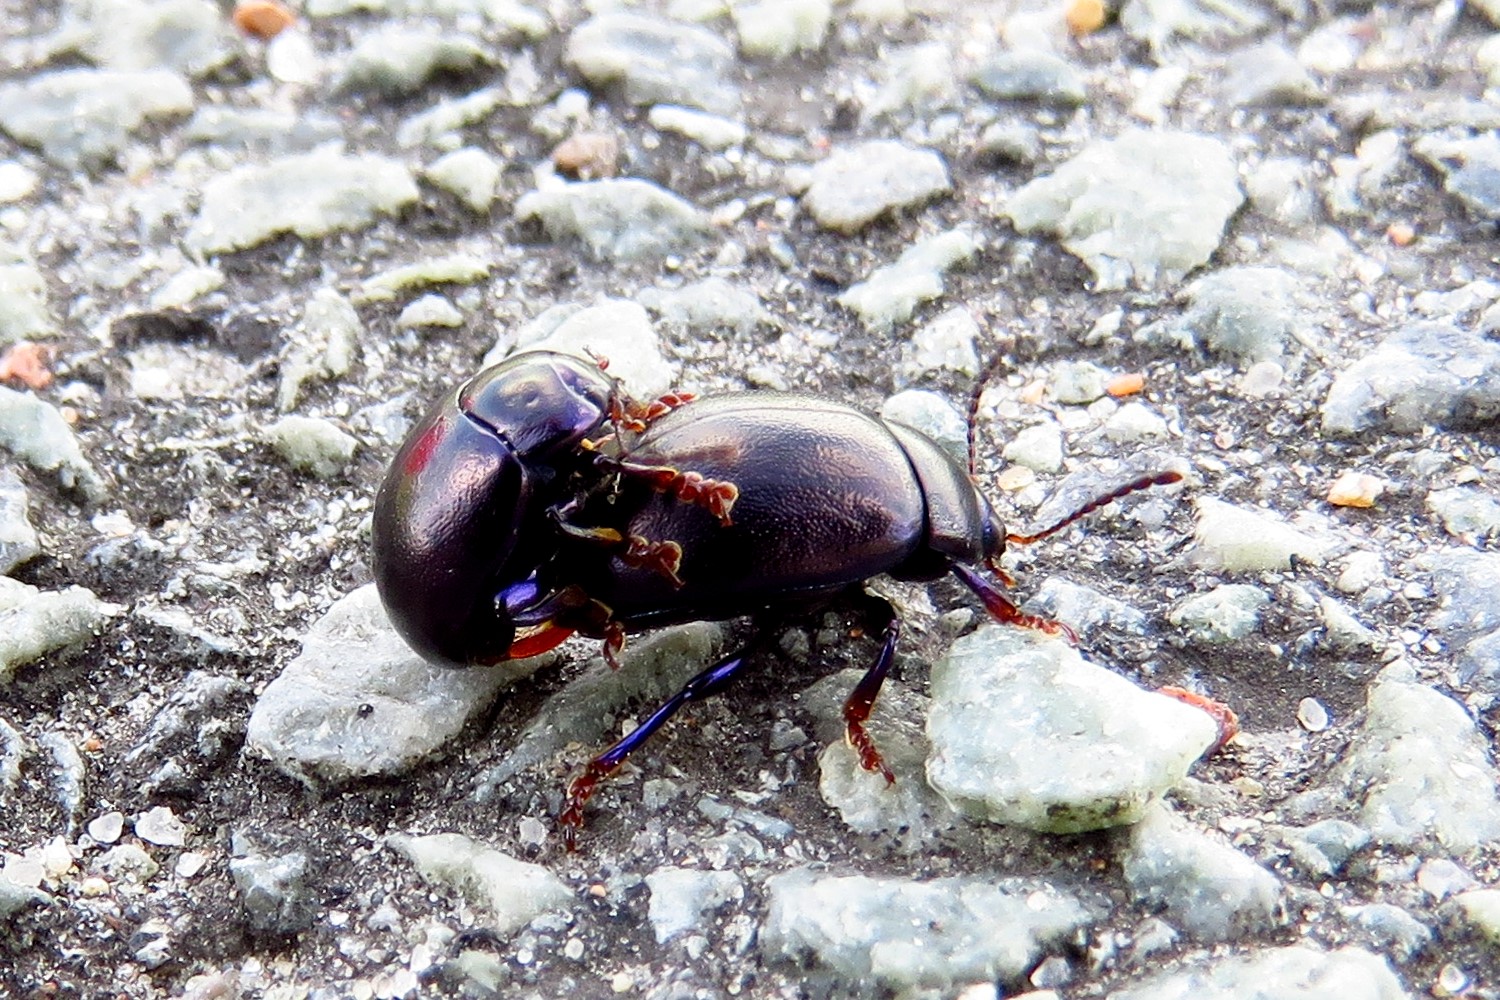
<point>614,644</point>
<point>663,557</point>
<point>861,701</point>
<point>714,495</point>
<point>1222,714</point>
<point>1002,610</point>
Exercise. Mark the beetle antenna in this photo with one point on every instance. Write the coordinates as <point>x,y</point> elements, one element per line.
<point>980,384</point>
<point>1135,485</point>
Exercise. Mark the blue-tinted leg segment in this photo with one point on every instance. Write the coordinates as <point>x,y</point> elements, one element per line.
<point>581,789</point>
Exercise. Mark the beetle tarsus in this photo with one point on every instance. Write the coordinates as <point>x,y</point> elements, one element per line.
<point>662,557</point>
<point>861,701</point>
<point>1002,610</point>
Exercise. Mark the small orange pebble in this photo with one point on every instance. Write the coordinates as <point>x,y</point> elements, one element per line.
<point>1224,716</point>
<point>264,19</point>
<point>1355,489</point>
<point>1402,234</point>
<point>93,744</point>
<point>1034,393</point>
<point>1085,17</point>
<point>1126,385</point>
<point>587,156</point>
<point>26,363</point>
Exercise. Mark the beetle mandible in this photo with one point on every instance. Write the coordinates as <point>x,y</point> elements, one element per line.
<point>538,500</point>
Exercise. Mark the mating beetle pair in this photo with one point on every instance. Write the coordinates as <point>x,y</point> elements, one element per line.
<point>538,500</point>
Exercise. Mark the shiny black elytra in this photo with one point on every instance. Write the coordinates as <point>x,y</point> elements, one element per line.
<point>538,500</point>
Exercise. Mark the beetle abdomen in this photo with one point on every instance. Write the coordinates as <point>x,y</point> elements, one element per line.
<point>827,497</point>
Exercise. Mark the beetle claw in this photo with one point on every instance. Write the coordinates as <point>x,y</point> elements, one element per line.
<point>1224,716</point>
<point>614,644</point>
<point>663,557</point>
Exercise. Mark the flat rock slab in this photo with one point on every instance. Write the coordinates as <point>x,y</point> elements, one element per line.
<point>1297,973</point>
<point>358,702</point>
<point>1144,207</point>
<point>1026,732</point>
<point>857,184</point>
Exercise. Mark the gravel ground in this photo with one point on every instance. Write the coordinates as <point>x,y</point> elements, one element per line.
<point>234,271</point>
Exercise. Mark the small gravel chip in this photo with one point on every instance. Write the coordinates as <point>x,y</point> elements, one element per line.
<point>311,444</point>
<point>453,269</point>
<point>36,622</point>
<point>1422,374</point>
<point>932,414</point>
<point>18,539</point>
<point>273,889</point>
<point>775,29</point>
<point>614,329</point>
<point>357,702</point>
<point>1480,909</point>
<point>16,182</point>
<point>857,184</point>
<point>620,218</point>
<point>681,896</point>
<point>1134,422</point>
<point>1031,75</point>
<point>656,60</point>
<point>1228,613</point>
<point>1247,314</point>
<point>309,194</point>
<point>1470,168</point>
<point>394,60</point>
<point>911,937</point>
<point>892,293</point>
<point>430,310</point>
<point>85,117</point>
<point>129,862</point>
<point>160,826</point>
<point>1466,512</point>
<point>106,829</point>
<point>1419,769</point>
<point>1235,539</point>
<point>1209,889</point>
<point>470,174</point>
<point>1077,382</point>
<point>706,305</point>
<point>24,313</point>
<point>512,891</point>
<point>1294,973</point>
<point>945,342</point>
<point>1356,489</point>
<point>1390,928</point>
<point>1311,715</point>
<point>1141,207</point>
<point>709,131</point>
<point>1039,448</point>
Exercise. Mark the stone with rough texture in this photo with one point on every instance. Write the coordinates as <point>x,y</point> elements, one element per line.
<point>681,896</point>
<point>1236,539</point>
<point>1244,313</point>
<point>656,60</point>
<point>1142,208</point>
<point>890,294</point>
<point>1228,613</point>
<point>857,184</point>
<point>358,702</point>
<point>1423,374</point>
<point>1295,973</point>
<point>620,218</point>
<point>1419,769</point>
<point>36,622</point>
<point>399,60</point>
<point>513,892</point>
<point>1026,732</point>
<point>896,934</point>
<point>308,194</point>
<point>1207,888</point>
<point>1470,166</point>
<point>18,539</point>
<point>24,313</point>
<point>1468,584</point>
<point>775,29</point>
<point>84,117</point>
<point>311,444</point>
<point>614,329</point>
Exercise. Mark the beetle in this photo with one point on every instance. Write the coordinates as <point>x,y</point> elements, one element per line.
<point>538,500</point>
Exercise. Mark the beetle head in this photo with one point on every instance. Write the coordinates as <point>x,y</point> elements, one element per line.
<point>461,515</point>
